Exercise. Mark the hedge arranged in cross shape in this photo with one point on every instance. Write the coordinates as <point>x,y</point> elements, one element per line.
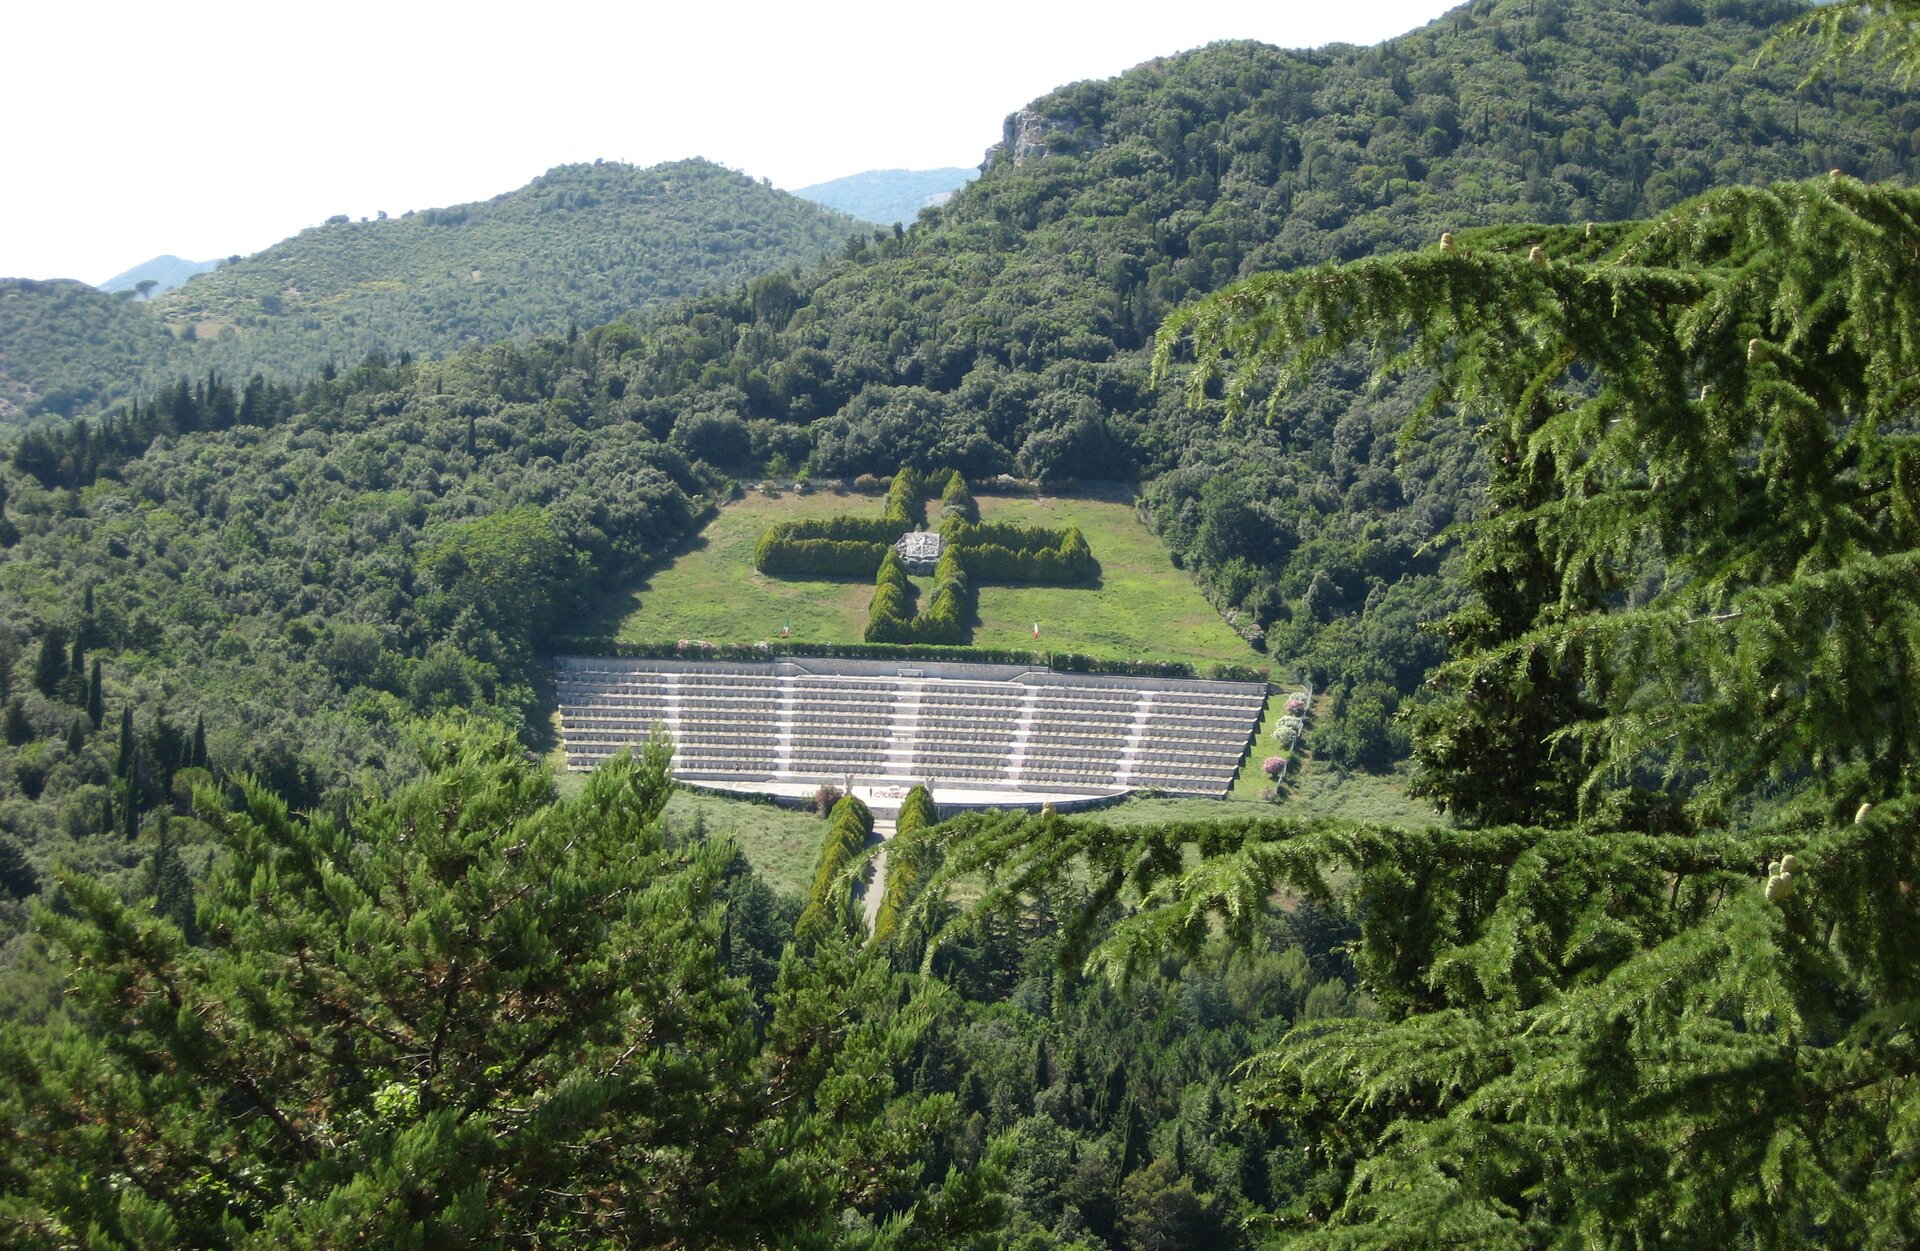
<point>974,551</point>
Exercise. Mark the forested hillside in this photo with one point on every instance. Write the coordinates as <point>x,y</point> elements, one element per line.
<point>66,347</point>
<point>581,244</point>
<point>1008,333</point>
<point>305,566</point>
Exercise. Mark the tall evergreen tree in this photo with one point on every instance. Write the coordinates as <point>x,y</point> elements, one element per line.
<point>50,662</point>
<point>1616,1024</point>
<point>17,876</point>
<point>130,800</point>
<point>123,757</point>
<point>96,697</point>
<point>168,885</point>
<point>18,729</point>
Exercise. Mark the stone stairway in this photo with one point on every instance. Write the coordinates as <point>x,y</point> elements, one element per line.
<point>883,829</point>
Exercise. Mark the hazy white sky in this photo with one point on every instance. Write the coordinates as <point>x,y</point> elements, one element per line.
<point>213,128</point>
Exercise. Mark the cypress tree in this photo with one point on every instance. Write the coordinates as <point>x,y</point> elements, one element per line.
<point>96,700</point>
<point>89,635</point>
<point>165,748</point>
<point>77,654</point>
<point>199,759</point>
<point>50,663</point>
<point>123,758</point>
<point>18,729</point>
<point>130,801</point>
<point>77,736</point>
<point>17,877</point>
<point>168,885</point>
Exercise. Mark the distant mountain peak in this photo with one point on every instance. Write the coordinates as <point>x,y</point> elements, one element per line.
<point>166,272</point>
<point>886,196</point>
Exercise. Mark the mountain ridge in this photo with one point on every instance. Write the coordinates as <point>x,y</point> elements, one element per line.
<point>579,244</point>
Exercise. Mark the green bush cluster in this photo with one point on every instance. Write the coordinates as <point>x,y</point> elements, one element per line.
<point>909,859</point>
<point>848,828</point>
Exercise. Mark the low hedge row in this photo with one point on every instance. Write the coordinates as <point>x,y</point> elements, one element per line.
<point>1061,662</point>
<point>957,502</point>
<point>826,558</point>
<point>1069,563</point>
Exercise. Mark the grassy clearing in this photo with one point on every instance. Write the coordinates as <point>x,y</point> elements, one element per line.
<point>712,591</point>
<point>1376,798</point>
<point>1140,608</point>
<point>782,844</point>
<point>1380,799</point>
<point>1153,811</point>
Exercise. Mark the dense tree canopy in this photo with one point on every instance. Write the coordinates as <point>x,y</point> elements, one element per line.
<point>1678,1019</point>
<point>467,1015</point>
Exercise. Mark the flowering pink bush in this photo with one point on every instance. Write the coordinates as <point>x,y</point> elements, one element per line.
<point>1273,765</point>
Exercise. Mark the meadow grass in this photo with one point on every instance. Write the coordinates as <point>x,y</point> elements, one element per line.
<point>712,591</point>
<point>1322,791</point>
<point>782,844</point>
